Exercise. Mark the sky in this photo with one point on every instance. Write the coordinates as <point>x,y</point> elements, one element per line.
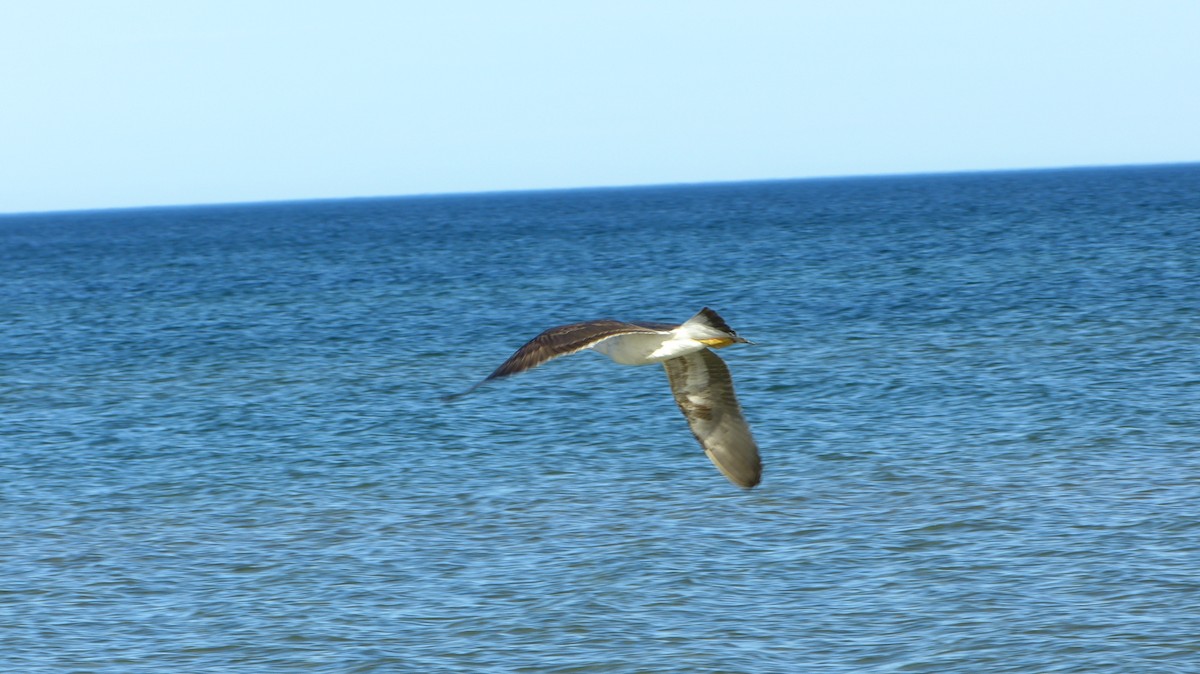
<point>126,103</point>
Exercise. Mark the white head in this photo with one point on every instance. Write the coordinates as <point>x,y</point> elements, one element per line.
<point>708,328</point>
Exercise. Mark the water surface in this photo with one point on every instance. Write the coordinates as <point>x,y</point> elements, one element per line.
<point>222,445</point>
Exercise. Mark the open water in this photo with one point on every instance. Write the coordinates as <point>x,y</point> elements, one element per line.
<point>223,446</point>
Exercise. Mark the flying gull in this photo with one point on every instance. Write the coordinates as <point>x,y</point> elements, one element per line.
<point>699,379</point>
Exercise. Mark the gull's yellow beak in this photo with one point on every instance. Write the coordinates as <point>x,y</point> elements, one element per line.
<point>717,342</point>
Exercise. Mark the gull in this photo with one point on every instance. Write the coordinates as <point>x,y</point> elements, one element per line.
<point>699,379</point>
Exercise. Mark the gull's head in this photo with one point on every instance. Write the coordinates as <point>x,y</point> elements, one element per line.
<point>710,329</point>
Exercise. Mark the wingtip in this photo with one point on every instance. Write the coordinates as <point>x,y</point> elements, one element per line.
<point>451,397</point>
<point>746,482</point>
<point>743,471</point>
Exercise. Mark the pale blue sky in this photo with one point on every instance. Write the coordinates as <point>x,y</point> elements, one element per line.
<point>112,103</point>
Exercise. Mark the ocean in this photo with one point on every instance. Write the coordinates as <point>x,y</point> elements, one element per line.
<point>224,445</point>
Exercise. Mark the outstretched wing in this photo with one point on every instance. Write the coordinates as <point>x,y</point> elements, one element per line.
<point>704,391</point>
<point>563,341</point>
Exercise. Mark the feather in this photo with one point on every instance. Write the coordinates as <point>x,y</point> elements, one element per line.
<point>703,390</point>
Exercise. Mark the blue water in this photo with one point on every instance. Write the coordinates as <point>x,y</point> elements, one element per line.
<point>223,448</point>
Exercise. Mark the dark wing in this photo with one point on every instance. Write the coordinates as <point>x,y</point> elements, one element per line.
<point>563,341</point>
<point>704,391</point>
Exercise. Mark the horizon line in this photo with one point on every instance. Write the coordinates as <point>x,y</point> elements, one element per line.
<point>581,188</point>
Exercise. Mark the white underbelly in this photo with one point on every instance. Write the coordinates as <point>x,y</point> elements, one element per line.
<point>643,349</point>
